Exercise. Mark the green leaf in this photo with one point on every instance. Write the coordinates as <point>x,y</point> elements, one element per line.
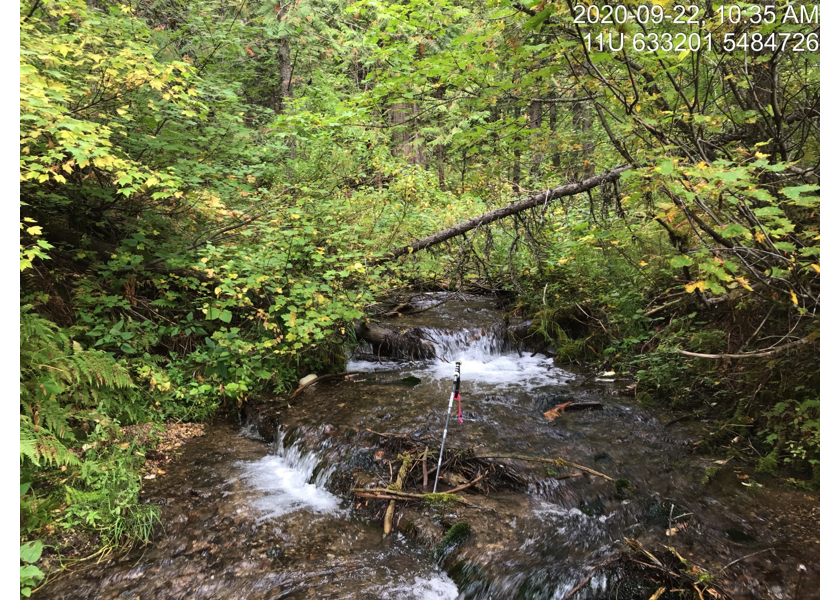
<point>666,167</point>
<point>31,551</point>
<point>537,20</point>
<point>681,261</point>
<point>794,194</point>
<point>226,316</point>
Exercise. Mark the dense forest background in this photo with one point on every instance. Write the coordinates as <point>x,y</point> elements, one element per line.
<point>213,192</point>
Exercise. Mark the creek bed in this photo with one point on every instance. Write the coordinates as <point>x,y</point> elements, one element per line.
<point>247,519</point>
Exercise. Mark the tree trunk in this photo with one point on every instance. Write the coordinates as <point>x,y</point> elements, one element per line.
<point>284,59</point>
<point>441,175</point>
<point>516,176</point>
<point>582,122</point>
<point>552,125</point>
<point>535,117</point>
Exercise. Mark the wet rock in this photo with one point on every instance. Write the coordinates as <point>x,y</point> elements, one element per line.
<point>199,493</point>
<point>266,416</point>
<point>545,401</point>
<point>361,460</point>
<point>739,536</point>
<point>602,457</point>
<point>592,508</point>
<point>409,381</point>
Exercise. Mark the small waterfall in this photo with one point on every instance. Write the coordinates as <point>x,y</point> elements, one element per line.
<point>465,344</point>
<point>290,480</point>
<point>487,358</point>
<point>485,355</point>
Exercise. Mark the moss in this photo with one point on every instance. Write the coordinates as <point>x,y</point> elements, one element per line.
<point>709,474</point>
<point>410,529</point>
<point>456,536</point>
<point>440,500</point>
<point>623,489</point>
<point>769,464</point>
<point>645,399</point>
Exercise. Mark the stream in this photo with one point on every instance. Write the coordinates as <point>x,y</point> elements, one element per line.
<point>245,517</point>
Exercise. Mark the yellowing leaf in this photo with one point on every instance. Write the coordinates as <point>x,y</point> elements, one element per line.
<point>695,285</point>
<point>816,268</point>
<point>34,230</point>
<point>744,283</point>
<point>760,155</point>
<point>793,298</point>
<point>759,237</point>
<point>642,263</point>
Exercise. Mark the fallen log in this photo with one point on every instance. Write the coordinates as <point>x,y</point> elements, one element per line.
<point>541,199</point>
<point>406,343</point>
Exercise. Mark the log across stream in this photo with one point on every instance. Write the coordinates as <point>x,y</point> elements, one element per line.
<point>266,510</point>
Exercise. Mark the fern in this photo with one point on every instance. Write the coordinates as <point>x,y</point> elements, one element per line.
<point>58,378</point>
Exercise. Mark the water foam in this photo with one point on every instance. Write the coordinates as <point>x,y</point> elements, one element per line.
<point>290,480</point>
<point>434,587</point>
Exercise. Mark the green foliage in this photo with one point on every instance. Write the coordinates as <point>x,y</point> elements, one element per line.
<point>794,427</point>
<point>59,381</point>
<point>30,575</point>
<point>77,474</point>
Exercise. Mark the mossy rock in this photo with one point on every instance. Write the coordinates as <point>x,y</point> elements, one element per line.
<point>456,536</point>
<point>440,499</point>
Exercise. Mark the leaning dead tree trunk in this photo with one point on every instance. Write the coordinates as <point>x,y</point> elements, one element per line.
<point>541,199</point>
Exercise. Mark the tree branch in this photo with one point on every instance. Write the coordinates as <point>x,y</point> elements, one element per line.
<point>812,337</point>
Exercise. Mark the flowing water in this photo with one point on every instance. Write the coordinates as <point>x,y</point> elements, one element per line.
<point>243,519</point>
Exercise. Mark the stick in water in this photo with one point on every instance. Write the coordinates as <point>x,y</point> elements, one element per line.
<point>456,387</point>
